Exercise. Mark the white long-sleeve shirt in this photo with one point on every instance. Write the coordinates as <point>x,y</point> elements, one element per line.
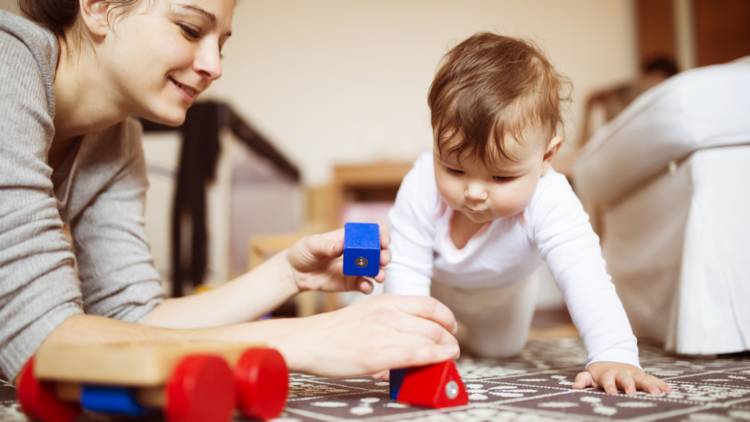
<point>553,227</point>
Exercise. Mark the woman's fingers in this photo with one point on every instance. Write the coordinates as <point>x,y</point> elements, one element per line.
<point>385,257</point>
<point>382,375</point>
<point>413,352</point>
<point>385,238</point>
<point>426,328</point>
<point>395,320</point>
<point>328,245</point>
<point>331,244</point>
<point>426,307</point>
<point>366,285</point>
<point>314,252</point>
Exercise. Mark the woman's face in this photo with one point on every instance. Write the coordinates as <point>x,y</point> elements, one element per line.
<point>163,53</point>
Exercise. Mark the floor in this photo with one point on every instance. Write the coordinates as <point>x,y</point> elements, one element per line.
<point>534,386</point>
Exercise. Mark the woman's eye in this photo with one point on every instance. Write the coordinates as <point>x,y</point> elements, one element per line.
<point>189,31</point>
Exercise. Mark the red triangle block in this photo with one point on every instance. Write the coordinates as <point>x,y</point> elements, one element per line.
<point>435,386</point>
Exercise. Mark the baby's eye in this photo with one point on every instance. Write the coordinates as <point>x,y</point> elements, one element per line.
<point>453,171</point>
<point>503,178</point>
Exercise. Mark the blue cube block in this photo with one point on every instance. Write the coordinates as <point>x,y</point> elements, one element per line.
<point>395,379</point>
<point>361,249</point>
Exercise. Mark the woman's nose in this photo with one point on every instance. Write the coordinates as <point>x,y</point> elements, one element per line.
<point>208,62</point>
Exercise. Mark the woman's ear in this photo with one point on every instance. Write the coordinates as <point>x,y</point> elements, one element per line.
<point>95,16</point>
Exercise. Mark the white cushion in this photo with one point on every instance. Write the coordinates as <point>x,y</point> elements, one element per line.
<point>701,108</point>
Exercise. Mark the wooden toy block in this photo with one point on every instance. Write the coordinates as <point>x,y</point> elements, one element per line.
<point>361,249</point>
<point>188,381</point>
<point>435,386</point>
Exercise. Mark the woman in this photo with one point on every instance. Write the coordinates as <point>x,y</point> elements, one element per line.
<point>71,159</point>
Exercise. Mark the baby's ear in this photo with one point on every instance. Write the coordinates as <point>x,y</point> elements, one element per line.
<point>552,148</point>
<point>551,152</point>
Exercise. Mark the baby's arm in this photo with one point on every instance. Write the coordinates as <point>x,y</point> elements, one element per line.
<point>566,241</point>
<point>412,232</point>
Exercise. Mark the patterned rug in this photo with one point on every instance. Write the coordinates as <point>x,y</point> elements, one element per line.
<point>534,386</point>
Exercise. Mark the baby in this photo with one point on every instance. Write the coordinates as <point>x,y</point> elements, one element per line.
<point>474,219</point>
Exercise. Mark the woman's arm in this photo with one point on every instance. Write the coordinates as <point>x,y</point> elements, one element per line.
<point>38,285</point>
<point>313,263</point>
<point>242,299</point>
<point>370,336</point>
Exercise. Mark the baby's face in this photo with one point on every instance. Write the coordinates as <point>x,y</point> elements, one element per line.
<point>502,189</point>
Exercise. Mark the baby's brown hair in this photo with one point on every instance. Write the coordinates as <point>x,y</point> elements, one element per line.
<point>490,86</point>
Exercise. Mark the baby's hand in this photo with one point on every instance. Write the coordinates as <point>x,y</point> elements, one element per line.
<point>613,375</point>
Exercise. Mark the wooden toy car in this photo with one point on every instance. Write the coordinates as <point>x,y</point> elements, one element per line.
<point>188,381</point>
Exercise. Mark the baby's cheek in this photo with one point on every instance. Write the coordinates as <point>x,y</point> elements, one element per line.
<point>509,210</point>
<point>510,204</point>
<point>450,191</point>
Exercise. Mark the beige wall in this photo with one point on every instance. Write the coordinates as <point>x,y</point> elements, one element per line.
<point>341,80</point>
<point>9,5</point>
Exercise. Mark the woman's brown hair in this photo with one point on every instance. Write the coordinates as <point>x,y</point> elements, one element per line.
<point>55,15</point>
<point>59,15</point>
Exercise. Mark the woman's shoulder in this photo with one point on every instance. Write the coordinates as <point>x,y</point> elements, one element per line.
<point>28,58</point>
<point>23,32</point>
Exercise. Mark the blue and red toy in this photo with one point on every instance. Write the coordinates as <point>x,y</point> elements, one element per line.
<point>186,382</point>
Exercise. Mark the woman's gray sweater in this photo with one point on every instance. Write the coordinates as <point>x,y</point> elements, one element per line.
<point>104,267</point>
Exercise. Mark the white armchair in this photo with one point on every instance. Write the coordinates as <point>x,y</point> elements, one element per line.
<point>670,179</point>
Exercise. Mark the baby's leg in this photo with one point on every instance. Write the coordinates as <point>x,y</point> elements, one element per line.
<point>493,322</point>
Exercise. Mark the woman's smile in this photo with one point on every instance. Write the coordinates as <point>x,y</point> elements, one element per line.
<point>188,93</point>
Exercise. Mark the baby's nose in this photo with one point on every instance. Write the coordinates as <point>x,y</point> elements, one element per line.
<point>475,192</point>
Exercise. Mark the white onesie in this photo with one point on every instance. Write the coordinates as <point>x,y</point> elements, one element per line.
<point>553,227</point>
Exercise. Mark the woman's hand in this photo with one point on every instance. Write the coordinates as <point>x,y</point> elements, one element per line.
<point>317,263</point>
<point>371,336</point>
<point>612,375</point>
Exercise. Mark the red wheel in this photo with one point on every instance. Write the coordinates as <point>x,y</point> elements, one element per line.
<point>201,389</point>
<point>262,383</point>
<point>39,401</point>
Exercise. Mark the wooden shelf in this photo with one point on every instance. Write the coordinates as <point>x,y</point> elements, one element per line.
<point>365,182</point>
